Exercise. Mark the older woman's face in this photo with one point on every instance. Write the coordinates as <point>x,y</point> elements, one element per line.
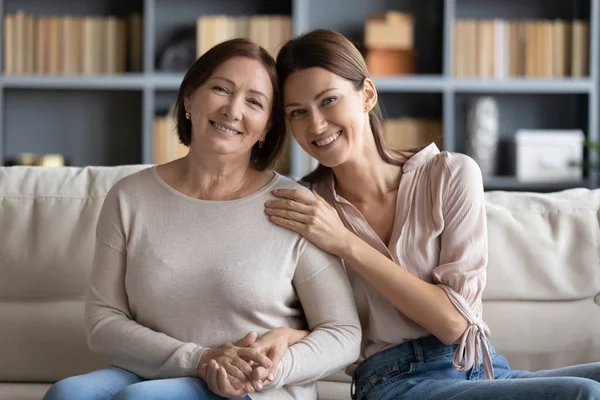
<point>230,112</point>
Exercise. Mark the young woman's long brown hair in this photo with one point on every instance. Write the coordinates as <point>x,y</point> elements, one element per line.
<point>332,51</point>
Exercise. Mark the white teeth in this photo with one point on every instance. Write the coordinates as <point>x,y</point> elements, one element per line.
<point>224,129</point>
<point>330,139</point>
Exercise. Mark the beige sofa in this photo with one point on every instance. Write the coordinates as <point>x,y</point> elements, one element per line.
<point>541,299</point>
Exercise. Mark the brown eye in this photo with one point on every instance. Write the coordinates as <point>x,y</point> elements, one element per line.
<point>219,89</point>
<point>255,103</point>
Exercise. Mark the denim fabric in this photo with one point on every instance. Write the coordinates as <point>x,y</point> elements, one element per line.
<point>119,384</point>
<point>422,369</point>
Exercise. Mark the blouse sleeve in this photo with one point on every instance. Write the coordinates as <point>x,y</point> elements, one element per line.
<point>463,256</point>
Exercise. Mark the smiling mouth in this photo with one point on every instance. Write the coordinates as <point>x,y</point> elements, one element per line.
<point>224,129</point>
<point>329,140</point>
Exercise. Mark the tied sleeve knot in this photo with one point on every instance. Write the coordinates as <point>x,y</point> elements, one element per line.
<point>472,346</point>
<point>474,341</point>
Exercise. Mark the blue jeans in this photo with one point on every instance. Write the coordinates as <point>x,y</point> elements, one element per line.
<point>422,369</point>
<point>119,384</point>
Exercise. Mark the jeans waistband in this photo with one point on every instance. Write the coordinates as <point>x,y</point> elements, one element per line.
<point>416,350</point>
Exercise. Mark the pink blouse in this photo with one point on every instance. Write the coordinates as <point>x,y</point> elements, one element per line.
<point>440,236</point>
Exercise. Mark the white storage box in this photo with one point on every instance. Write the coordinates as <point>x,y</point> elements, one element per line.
<point>549,155</point>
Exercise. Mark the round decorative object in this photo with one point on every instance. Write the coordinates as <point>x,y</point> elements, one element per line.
<point>482,133</point>
<point>179,53</point>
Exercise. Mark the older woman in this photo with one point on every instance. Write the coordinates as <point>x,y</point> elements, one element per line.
<point>187,263</point>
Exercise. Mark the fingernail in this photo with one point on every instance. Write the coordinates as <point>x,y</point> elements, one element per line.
<point>259,385</point>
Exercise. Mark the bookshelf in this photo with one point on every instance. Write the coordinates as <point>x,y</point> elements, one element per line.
<point>108,119</point>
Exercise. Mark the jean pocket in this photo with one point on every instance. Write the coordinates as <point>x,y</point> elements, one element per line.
<point>385,376</point>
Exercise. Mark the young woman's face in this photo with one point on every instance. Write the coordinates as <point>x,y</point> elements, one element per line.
<point>230,112</point>
<point>326,113</point>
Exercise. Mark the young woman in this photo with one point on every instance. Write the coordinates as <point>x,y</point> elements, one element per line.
<point>411,228</point>
<point>186,262</point>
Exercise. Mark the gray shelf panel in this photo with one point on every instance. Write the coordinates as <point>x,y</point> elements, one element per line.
<point>393,84</point>
<point>98,82</point>
<point>522,85</point>
<point>88,127</point>
<point>166,81</point>
<point>416,83</point>
<point>510,183</point>
<point>413,83</point>
<point>79,7</point>
<point>436,83</point>
<point>529,9</point>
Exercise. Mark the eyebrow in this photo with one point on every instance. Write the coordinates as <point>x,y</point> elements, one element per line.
<point>321,93</point>
<point>258,92</point>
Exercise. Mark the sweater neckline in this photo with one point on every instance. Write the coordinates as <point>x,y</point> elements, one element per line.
<point>272,182</point>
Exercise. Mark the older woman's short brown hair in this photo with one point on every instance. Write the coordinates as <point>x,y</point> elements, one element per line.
<point>261,157</point>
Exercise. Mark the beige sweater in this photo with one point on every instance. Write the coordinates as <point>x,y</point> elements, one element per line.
<point>174,275</point>
<point>440,236</point>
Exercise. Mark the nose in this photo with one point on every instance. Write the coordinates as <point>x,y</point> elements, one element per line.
<point>317,123</point>
<point>232,109</point>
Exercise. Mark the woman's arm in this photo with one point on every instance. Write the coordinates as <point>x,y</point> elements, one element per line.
<point>425,303</point>
<point>420,301</point>
<point>441,307</point>
<point>112,331</point>
<point>274,344</point>
<point>109,323</point>
<point>447,307</point>
<point>329,308</point>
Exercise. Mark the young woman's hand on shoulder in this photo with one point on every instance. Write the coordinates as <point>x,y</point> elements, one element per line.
<point>311,217</point>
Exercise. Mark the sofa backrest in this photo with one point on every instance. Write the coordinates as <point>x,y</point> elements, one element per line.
<point>47,225</point>
<point>543,247</point>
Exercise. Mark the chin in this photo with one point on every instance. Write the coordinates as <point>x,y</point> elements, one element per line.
<point>329,162</point>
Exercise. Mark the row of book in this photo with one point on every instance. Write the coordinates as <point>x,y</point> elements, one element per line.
<point>72,45</point>
<point>269,31</point>
<point>521,48</point>
<point>410,133</point>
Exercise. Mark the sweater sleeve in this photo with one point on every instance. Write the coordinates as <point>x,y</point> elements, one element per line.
<point>328,303</point>
<point>111,329</point>
<point>463,256</point>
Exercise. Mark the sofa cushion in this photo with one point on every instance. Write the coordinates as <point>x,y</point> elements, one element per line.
<point>543,246</point>
<point>536,335</point>
<point>23,391</point>
<point>43,341</point>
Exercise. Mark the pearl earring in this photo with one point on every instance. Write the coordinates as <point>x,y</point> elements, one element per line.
<point>187,115</point>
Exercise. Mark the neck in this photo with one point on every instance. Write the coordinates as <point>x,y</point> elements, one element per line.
<point>366,177</point>
<point>210,178</point>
